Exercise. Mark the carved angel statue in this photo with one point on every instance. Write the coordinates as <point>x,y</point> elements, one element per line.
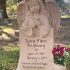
<point>35,22</point>
<point>35,17</point>
<point>54,14</point>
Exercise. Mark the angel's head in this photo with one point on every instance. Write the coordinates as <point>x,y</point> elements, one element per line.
<point>35,5</point>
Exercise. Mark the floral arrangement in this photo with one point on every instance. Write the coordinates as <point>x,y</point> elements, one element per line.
<point>59,52</point>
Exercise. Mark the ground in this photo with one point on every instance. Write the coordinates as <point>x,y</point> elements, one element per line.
<point>63,35</point>
<point>7,32</point>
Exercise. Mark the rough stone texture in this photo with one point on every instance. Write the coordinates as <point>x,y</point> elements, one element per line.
<point>59,67</point>
<point>36,34</point>
<point>54,14</point>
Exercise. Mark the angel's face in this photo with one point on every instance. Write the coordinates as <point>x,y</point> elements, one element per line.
<point>34,7</point>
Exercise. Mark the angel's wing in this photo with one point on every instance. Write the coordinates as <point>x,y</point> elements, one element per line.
<point>21,9</point>
<point>54,14</point>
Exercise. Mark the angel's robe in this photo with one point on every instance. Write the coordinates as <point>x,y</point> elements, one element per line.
<point>37,26</point>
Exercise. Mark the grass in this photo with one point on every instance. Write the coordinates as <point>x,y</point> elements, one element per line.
<point>68,46</point>
<point>67,61</point>
<point>9,57</point>
<point>9,53</point>
<point>7,29</point>
<point>65,16</point>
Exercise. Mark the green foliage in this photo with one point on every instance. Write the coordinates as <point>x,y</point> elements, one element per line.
<point>11,6</point>
<point>59,60</point>
<point>67,60</point>
<point>61,3</point>
<point>8,58</point>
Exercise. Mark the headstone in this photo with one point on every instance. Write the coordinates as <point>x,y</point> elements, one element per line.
<point>36,35</point>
